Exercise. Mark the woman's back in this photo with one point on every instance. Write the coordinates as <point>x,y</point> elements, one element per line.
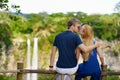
<point>91,66</point>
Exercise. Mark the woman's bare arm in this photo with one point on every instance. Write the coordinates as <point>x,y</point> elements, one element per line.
<point>100,54</point>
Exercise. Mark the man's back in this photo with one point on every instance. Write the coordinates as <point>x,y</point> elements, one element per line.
<point>66,43</point>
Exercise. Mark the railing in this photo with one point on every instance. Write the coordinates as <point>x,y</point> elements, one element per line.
<point>20,71</point>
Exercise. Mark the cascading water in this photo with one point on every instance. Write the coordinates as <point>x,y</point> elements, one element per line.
<point>28,59</point>
<point>35,59</point>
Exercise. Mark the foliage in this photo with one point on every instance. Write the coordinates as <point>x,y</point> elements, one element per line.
<point>43,21</point>
<point>3,77</point>
<point>5,33</point>
<point>113,78</point>
<point>46,77</point>
<point>19,24</point>
<point>3,4</point>
<point>117,7</point>
<point>5,7</point>
<point>43,24</point>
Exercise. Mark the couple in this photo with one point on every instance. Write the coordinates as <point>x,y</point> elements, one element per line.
<point>69,46</point>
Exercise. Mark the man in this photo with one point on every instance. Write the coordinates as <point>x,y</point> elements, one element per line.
<point>66,43</point>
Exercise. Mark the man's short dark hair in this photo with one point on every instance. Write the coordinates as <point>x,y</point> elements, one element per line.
<point>72,22</point>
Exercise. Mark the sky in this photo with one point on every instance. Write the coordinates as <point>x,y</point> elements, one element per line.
<point>54,6</point>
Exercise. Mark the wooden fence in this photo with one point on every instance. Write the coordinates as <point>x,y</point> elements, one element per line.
<point>21,71</point>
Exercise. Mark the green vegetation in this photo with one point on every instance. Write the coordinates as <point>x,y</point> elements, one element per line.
<point>46,26</point>
<point>113,78</point>
<point>46,76</point>
<point>5,31</point>
<point>3,77</point>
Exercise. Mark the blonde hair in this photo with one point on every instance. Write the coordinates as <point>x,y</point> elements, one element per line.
<point>87,39</point>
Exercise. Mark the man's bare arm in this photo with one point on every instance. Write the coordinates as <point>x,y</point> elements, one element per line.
<point>87,49</point>
<point>52,56</point>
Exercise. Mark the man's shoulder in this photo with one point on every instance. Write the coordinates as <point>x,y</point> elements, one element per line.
<point>62,33</point>
<point>67,33</point>
<point>59,34</point>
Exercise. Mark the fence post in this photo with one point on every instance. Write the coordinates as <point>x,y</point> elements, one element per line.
<point>104,72</point>
<point>19,74</point>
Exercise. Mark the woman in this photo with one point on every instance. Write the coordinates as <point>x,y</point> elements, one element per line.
<point>90,65</point>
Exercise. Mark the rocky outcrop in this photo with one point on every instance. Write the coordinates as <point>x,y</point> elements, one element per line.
<point>112,55</point>
<point>113,62</point>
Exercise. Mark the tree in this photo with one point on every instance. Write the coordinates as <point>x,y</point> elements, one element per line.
<point>4,6</point>
<point>117,7</point>
<point>5,34</point>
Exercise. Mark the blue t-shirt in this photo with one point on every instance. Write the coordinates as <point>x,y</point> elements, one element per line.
<point>66,42</point>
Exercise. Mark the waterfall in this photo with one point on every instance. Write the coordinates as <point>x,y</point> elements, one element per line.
<point>28,59</point>
<point>35,59</point>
